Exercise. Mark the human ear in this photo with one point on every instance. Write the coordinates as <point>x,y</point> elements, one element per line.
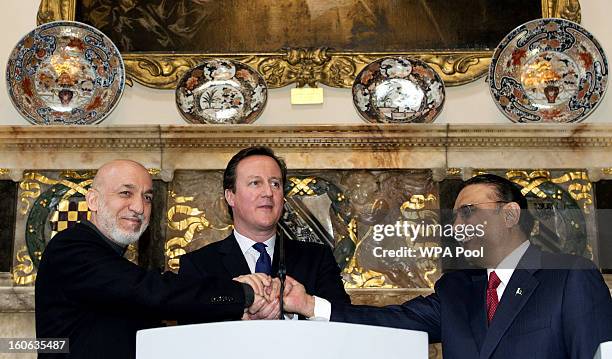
<point>229,197</point>
<point>92,197</point>
<point>512,214</point>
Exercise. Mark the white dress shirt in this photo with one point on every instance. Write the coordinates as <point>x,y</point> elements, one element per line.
<point>506,267</point>
<point>251,254</point>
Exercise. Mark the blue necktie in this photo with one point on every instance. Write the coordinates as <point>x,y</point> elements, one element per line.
<point>263,264</point>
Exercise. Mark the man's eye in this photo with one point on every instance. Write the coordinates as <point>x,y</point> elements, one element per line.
<point>276,184</point>
<point>148,198</point>
<point>125,193</point>
<point>254,183</point>
<point>466,211</point>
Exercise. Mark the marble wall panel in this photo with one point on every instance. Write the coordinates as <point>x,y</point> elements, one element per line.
<point>17,325</point>
<point>196,214</point>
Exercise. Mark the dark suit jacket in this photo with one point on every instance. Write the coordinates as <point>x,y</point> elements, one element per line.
<point>311,264</point>
<point>561,313</point>
<point>87,292</point>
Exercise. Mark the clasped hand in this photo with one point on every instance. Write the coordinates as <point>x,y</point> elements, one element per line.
<point>266,304</point>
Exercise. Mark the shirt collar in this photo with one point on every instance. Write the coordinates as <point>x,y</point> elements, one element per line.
<point>506,267</point>
<point>246,243</point>
<point>114,245</point>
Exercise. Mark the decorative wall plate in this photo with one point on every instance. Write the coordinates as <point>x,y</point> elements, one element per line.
<point>398,90</point>
<point>548,70</point>
<point>65,73</point>
<point>221,91</point>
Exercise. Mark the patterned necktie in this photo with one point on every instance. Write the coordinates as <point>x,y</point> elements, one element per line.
<point>263,264</point>
<point>492,300</point>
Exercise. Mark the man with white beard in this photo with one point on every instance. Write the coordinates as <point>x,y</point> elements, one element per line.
<point>88,292</point>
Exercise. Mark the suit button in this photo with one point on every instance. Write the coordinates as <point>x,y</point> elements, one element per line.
<point>222,299</point>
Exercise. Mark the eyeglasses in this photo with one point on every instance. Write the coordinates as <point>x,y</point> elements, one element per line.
<point>467,210</point>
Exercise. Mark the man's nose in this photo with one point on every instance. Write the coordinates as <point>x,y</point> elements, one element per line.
<point>456,218</point>
<point>267,190</point>
<point>137,205</point>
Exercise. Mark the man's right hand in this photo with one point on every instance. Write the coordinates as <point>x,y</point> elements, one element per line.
<point>266,309</point>
<point>296,300</point>
<point>259,282</point>
<point>266,303</point>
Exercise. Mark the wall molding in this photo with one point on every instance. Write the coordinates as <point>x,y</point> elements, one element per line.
<point>434,146</point>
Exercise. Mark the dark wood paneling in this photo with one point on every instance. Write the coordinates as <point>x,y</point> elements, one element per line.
<point>603,196</point>
<point>8,201</point>
<point>151,244</point>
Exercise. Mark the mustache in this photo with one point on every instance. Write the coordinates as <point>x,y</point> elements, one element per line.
<point>137,216</point>
<point>465,239</point>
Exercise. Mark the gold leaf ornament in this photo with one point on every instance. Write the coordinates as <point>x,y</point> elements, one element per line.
<point>194,222</point>
<point>23,272</point>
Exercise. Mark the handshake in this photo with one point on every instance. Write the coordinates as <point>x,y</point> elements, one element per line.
<point>266,304</point>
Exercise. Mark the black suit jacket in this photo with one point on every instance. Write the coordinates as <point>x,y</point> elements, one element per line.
<point>557,313</point>
<point>87,292</point>
<point>311,264</point>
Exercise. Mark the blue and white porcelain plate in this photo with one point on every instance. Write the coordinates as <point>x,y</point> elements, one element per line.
<point>65,73</point>
<point>548,70</point>
<point>398,90</point>
<point>221,91</point>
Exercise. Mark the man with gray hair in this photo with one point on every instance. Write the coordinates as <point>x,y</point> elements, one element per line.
<point>88,292</point>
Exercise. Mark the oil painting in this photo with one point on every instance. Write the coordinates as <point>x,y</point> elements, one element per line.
<point>270,25</point>
<point>304,42</point>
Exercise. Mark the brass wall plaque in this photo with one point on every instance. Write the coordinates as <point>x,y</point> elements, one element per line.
<point>306,96</point>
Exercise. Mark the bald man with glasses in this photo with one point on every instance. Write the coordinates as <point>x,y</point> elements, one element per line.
<point>520,303</point>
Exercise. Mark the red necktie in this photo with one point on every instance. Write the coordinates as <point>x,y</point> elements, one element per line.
<point>492,300</point>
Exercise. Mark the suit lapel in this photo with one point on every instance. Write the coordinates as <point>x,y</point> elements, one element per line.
<point>232,257</point>
<point>476,307</point>
<point>513,300</point>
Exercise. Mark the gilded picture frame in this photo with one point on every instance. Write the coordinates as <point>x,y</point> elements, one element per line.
<point>303,66</point>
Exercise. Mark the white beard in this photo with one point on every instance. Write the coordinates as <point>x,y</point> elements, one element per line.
<point>109,225</point>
